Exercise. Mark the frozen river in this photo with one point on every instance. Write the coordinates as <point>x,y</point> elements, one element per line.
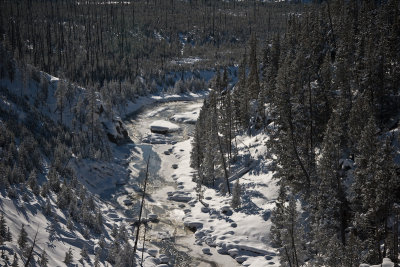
<point>169,233</point>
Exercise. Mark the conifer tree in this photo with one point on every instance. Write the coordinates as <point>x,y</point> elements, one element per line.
<point>52,231</point>
<point>60,97</point>
<point>84,254</point>
<point>292,252</point>
<point>68,257</point>
<point>241,96</point>
<point>277,217</point>
<point>3,226</point>
<point>330,205</point>
<point>97,260</point>
<point>32,181</point>
<point>43,259</point>
<point>15,261</point>
<point>9,236</point>
<point>253,79</point>
<point>47,207</point>
<point>22,238</point>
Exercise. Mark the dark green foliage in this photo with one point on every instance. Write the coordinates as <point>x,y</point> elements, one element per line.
<point>22,238</point>
<point>68,257</point>
<point>327,96</point>
<point>126,39</point>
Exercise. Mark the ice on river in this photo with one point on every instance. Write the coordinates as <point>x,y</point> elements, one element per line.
<point>161,126</point>
<point>186,117</point>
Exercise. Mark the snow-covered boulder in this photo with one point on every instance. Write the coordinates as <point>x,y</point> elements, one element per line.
<point>233,252</point>
<point>206,250</point>
<point>186,117</point>
<point>152,252</point>
<point>116,130</point>
<point>225,209</point>
<point>205,209</point>
<point>222,251</point>
<point>241,259</point>
<point>121,181</point>
<point>153,217</point>
<point>385,263</point>
<point>180,196</point>
<point>163,259</point>
<point>128,202</point>
<point>163,127</point>
<point>193,225</point>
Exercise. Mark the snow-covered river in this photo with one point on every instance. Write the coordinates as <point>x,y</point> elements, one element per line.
<point>169,233</point>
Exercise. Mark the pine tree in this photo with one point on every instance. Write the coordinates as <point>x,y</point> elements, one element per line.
<point>52,231</point>
<point>68,257</point>
<point>329,203</point>
<point>15,261</point>
<point>60,97</point>
<point>292,251</point>
<point>99,221</point>
<point>125,257</point>
<point>352,251</point>
<point>3,226</point>
<point>366,187</point>
<point>277,218</point>
<point>84,254</point>
<point>253,79</point>
<point>114,231</point>
<point>92,117</point>
<point>22,238</point>
<point>48,207</point>
<point>9,236</point>
<point>358,119</point>
<point>70,224</point>
<point>97,260</point>
<point>241,97</point>
<point>32,181</point>
<point>236,202</point>
<point>198,143</point>
<point>43,259</point>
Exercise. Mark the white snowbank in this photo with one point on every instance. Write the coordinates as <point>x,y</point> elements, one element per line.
<point>243,236</point>
<point>186,117</point>
<point>163,127</point>
<point>386,263</point>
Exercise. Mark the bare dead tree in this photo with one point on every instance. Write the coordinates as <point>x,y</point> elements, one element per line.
<point>30,255</point>
<point>224,165</point>
<point>141,207</point>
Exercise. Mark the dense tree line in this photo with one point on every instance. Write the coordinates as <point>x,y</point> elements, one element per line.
<point>102,41</point>
<point>35,151</point>
<point>327,94</point>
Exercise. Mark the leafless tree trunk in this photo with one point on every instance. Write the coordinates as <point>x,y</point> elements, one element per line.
<point>30,255</point>
<point>224,165</point>
<point>141,206</point>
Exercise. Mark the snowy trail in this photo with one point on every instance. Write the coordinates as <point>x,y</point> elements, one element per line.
<point>169,234</point>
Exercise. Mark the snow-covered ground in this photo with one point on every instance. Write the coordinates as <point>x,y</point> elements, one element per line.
<point>222,236</point>
<point>241,235</point>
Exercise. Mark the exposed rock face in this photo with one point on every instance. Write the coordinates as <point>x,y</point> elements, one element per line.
<point>116,131</point>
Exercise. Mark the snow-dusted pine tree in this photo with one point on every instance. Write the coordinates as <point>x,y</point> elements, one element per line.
<point>68,257</point>
<point>43,260</point>
<point>22,238</point>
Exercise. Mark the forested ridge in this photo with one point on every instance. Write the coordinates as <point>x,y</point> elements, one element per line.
<point>320,81</point>
<point>106,54</point>
<point>328,98</point>
<point>99,41</point>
